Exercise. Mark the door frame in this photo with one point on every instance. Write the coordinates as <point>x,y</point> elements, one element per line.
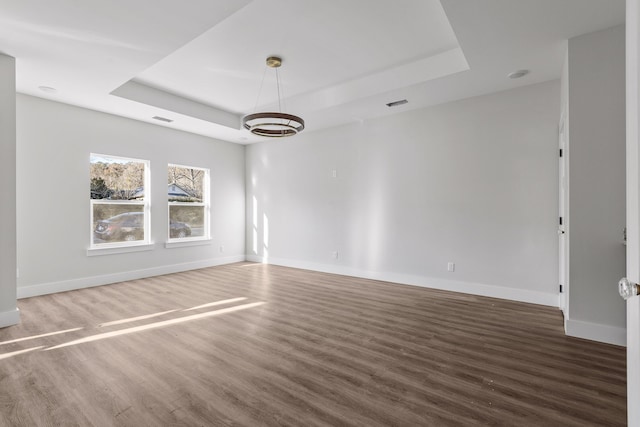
<point>633,206</point>
<point>563,212</point>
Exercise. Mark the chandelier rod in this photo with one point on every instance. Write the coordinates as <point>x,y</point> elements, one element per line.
<point>264,73</point>
<point>278,85</point>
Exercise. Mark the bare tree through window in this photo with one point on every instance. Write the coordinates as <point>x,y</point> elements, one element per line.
<point>188,202</point>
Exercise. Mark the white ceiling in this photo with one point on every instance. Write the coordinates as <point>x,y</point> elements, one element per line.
<point>201,62</point>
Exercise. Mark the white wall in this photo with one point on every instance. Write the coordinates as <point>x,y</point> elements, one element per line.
<point>54,142</point>
<point>473,182</point>
<point>8,311</point>
<point>596,99</point>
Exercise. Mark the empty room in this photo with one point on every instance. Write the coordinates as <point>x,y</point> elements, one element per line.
<point>305,213</point>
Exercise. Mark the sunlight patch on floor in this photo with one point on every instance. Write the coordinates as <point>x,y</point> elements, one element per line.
<point>39,336</point>
<point>211,304</point>
<point>134,329</point>
<point>134,319</point>
<point>15,353</point>
<point>156,325</point>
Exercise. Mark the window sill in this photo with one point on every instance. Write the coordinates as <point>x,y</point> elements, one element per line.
<point>120,249</point>
<point>185,243</point>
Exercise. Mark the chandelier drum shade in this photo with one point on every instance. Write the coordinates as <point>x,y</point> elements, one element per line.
<point>273,124</point>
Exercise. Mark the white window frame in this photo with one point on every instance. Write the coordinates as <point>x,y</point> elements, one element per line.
<point>122,247</point>
<point>192,240</point>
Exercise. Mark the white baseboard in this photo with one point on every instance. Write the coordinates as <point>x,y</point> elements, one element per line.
<point>574,328</point>
<point>533,297</point>
<point>9,318</point>
<point>596,332</point>
<point>87,282</point>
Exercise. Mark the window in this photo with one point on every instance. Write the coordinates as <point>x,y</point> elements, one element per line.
<point>119,205</point>
<point>188,195</point>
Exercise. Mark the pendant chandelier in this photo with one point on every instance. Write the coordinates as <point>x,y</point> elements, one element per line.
<point>272,124</point>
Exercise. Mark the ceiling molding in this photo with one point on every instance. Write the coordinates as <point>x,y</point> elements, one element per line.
<point>148,95</point>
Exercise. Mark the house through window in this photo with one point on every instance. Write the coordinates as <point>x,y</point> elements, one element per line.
<point>188,196</point>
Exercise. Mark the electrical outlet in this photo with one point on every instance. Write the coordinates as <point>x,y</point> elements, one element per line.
<point>334,254</point>
<point>221,249</point>
<point>451,266</point>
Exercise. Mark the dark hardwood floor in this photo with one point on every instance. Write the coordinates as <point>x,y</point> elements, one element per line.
<point>292,347</point>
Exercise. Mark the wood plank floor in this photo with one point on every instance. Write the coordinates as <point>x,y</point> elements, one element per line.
<point>282,346</point>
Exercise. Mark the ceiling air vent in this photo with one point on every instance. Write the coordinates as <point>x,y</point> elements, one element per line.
<point>396,103</point>
<point>162,119</point>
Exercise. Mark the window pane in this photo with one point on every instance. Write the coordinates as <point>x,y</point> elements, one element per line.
<point>186,221</point>
<point>119,205</point>
<point>185,184</point>
<point>114,222</point>
<point>114,178</point>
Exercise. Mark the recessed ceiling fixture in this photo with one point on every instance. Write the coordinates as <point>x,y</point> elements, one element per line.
<point>396,103</point>
<point>517,74</point>
<point>273,124</point>
<point>48,89</point>
<point>162,119</point>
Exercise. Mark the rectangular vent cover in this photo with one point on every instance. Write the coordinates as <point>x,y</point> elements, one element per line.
<point>396,103</point>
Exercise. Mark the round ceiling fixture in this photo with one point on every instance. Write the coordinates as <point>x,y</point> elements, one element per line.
<point>517,74</point>
<point>273,124</point>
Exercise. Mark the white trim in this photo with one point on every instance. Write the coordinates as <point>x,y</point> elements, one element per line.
<point>176,243</point>
<point>596,332</point>
<point>110,156</point>
<point>481,289</point>
<point>632,55</point>
<point>9,318</point>
<point>87,282</point>
<point>98,251</point>
<point>116,202</point>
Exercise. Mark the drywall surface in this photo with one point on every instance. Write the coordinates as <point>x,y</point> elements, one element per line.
<point>474,182</point>
<point>54,144</point>
<point>596,82</point>
<point>8,311</point>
